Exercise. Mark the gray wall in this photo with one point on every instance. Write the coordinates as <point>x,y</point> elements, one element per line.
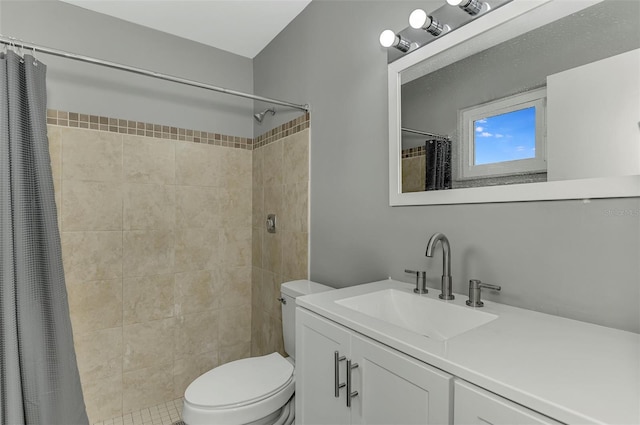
<point>572,258</point>
<point>80,87</point>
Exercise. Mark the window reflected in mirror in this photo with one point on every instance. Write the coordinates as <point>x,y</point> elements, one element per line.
<point>506,137</point>
<point>503,138</point>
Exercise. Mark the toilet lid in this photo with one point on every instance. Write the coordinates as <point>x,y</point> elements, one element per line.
<point>240,382</point>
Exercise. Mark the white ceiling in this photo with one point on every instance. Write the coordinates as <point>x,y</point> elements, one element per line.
<point>243,27</point>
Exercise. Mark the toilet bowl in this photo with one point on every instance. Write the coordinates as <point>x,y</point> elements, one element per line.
<point>240,392</point>
<point>256,390</point>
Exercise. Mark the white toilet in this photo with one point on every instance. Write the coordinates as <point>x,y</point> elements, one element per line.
<point>253,391</point>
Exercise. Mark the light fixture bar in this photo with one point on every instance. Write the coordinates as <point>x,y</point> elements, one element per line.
<point>425,27</point>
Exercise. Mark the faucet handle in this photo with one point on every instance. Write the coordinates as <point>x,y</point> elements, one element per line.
<point>475,287</point>
<point>418,289</point>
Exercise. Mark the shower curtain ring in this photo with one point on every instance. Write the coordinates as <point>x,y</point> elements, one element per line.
<point>35,60</point>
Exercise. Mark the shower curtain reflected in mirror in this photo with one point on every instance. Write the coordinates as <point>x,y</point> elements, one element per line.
<point>39,381</point>
<point>438,164</point>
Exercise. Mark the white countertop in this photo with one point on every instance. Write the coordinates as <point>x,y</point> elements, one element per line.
<point>572,371</point>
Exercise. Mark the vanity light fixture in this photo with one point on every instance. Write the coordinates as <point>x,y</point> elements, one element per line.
<point>389,38</point>
<point>472,7</point>
<point>420,20</point>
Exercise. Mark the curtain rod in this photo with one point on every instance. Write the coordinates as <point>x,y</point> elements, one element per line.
<point>9,41</point>
<point>424,133</point>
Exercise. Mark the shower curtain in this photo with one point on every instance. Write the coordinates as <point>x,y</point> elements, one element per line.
<point>39,380</point>
<point>438,164</point>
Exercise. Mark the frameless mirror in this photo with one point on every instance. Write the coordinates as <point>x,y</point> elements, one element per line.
<point>537,100</point>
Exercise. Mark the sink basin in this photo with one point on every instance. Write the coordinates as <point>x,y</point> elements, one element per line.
<point>432,318</point>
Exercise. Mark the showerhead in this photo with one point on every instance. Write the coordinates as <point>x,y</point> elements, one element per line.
<point>260,116</point>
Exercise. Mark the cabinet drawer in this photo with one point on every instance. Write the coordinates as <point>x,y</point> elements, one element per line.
<point>473,405</point>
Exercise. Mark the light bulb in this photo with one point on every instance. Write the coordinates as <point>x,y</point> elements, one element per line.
<point>454,2</point>
<point>418,19</point>
<point>387,38</point>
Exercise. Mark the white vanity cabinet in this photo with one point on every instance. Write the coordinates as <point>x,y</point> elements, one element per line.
<point>510,370</point>
<point>391,387</point>
<point>475,406</point>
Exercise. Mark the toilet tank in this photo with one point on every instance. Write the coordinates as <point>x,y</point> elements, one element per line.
<point>289,291</point>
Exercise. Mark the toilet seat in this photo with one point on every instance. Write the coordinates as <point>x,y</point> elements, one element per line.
<point>240,382</point>
<point>242,391</point>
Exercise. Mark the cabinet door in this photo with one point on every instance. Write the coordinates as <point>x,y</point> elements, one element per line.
<point>394,388</point>
<point>317,339</point>
<point>473,405</point>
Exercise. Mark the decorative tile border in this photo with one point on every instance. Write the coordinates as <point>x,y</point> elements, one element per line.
<point>115,125</point>
<point>413,152</point>
<point>292,127</point>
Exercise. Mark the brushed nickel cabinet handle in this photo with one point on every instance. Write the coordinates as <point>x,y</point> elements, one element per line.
<point>350,394</point>
<point>337,358</point>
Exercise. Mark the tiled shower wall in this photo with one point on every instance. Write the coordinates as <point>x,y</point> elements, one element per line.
<point>413,169</point>
<point>281,187</point>
<point>156,238</point>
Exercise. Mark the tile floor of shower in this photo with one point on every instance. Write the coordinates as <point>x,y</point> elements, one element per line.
<point>162,414</point>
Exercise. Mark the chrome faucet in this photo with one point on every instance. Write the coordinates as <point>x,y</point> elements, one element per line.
<point>446,263</point>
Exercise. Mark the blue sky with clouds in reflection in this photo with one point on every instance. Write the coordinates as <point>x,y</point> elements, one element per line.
<point>506,137</point>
